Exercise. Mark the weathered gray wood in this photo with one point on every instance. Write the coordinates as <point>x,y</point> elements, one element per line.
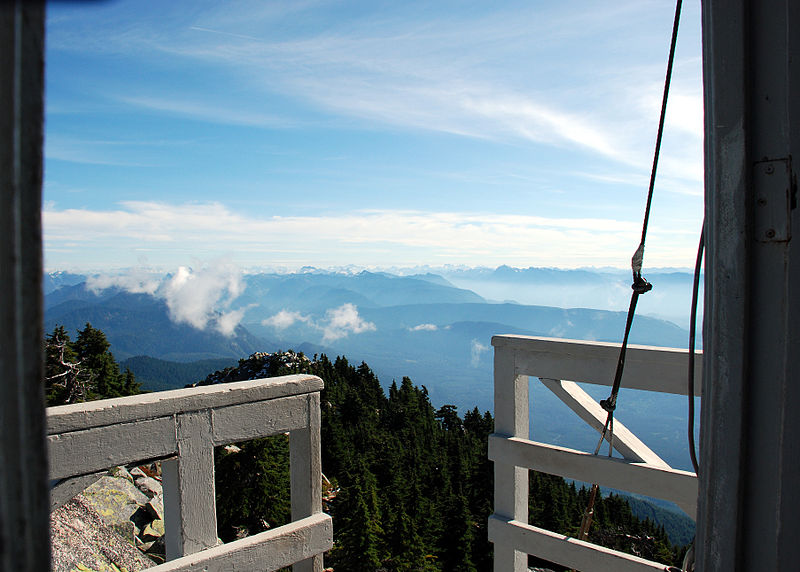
<point>24,502</point>
<point>98,448</point>
<point>142,427</point>
<point>124,409</point>
<point>648,368</point>
<point>63,491</point>
<point>190,514</point>
<point>567,551</point>
<point>305,462</point>
<point>79,452</point>
<point>263,552</point>
<point>510,482</point>
<point>260,419</point>
<point>628,444</point>
<point>677,486</point>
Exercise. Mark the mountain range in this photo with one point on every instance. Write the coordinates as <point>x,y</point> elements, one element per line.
<point>423,326</point>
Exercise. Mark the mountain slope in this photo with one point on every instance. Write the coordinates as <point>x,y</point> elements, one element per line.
<point>138,324</point>
<point>573,323</point>
<point>318,292</point>
<point>54,280</point>
<point>160,375</point>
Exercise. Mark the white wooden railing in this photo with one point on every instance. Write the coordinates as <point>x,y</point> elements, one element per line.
<point>641,471</point>
<point>182,427</point>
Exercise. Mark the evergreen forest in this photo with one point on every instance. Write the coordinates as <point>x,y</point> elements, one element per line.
<point>409,486</point>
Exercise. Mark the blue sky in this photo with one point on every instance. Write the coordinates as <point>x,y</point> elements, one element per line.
<point>374,134</point>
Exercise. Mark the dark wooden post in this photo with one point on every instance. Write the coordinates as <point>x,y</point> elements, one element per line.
<point>24,499</point>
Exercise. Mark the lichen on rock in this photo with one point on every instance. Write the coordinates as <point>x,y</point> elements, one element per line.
<point>111,524</point>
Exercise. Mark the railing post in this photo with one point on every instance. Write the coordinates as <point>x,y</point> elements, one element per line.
<point>190,515</point>
<point>510,482</point>
<point>305,463</point>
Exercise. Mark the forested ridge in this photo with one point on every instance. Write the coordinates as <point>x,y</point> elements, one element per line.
<point>410,485</point>
<point>161,375</point>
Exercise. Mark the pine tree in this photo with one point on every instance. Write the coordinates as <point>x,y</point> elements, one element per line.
<point>66,379</point>
<point>359,545</point>
<point>83,370</point>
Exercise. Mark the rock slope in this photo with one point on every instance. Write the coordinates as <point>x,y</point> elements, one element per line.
<point>114,525</point>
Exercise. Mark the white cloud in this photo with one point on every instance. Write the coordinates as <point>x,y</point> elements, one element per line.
<point>226,322</point>
<point>685,112</point>
<point>208,230</point>
<point>337,322</point>
<point>284,319</point>
<point>424,328</point>
<point>343,321</point>
<point>202,296</point>
<point>477,350</point>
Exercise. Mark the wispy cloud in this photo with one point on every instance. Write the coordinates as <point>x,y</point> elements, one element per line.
<point>424,328</point>
<point>514,73</point>
<point>89,152</point>
<point>136,281</point>
<point>226,322</point>
<point>537,122</point>
<point>224,112</point>
<point>476,351</point>
<point>285,319</point>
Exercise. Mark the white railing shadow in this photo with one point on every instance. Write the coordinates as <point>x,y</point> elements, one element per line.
<point>182,427</point>
<point>514,453</point>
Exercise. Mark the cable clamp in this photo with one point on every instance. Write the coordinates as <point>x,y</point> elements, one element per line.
<point>609,404</point>
<point>640,285</point>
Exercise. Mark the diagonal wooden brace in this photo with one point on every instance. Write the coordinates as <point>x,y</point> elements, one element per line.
<point>625,442</point>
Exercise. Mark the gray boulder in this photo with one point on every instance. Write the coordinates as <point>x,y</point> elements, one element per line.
<point>149,486</point>
<point>115,500</point>
<point>81,539</point>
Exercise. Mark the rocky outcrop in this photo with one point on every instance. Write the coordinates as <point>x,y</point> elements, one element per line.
<point>114,525</point>
<point>259,365</point>
<point>82,540</point>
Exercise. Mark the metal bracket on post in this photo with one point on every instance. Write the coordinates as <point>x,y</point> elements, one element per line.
<point>772,185</point>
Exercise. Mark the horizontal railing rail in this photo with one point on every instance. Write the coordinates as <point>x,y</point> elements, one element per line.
<point>181,428</point>
<point>558,364</point>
